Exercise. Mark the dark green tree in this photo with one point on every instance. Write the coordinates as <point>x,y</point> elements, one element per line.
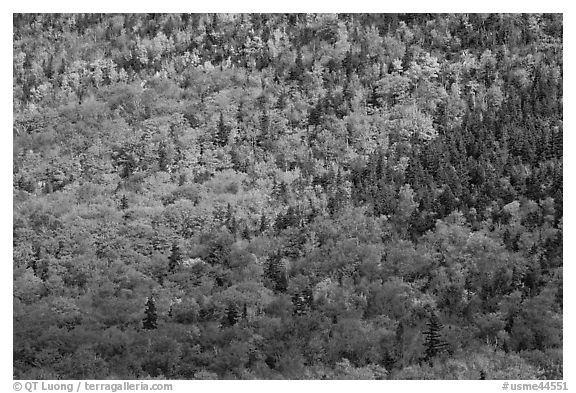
<point>175,258</point>
<point>222,132</point>
<point>298,69</point>
<point>150,321</point>
<point>124,202</point>
<point>263,224</point>
<point>276,273</point>
<point>232,316</point>
<point>163,156</point>
<point>264,137</point>
<point>230,221</point>
<point>433,341</point>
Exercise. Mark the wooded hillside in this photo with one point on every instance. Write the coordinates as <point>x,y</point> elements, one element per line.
<point>288,196</point>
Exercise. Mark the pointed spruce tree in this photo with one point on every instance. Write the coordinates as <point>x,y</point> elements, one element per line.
<point>150,321</point>
<point>124,203</point>
<point>230,220</point>
<point>244,311</point>
<point>263,224</point>
<point>232,316</point>
<point>175,258</point>
<point>163,157</point>
<point>433,341</point>
<point>275,272</point>
<point>297,71</point>
<point>222,132</point>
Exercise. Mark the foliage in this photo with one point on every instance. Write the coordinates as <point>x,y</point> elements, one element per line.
<point>305,196</point>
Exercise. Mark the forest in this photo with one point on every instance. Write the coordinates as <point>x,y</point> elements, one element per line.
<point>287,196</point>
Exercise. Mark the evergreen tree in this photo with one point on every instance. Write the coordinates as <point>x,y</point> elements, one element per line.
<point>222,132</point>
<point>124,202</point>
<point>264,137</point>
<point>281,103</point>
<point>276,273</point>
<point>181,179</point>
<point>315,114</point>
<point>35,260</point>
<point>48,188</point>
<point>434,342</point>
<point>175,258</point>
<point>232,316</point>
<point>231,223</point>
<point>298,69</point>
<point>150,321</point>
<point>34,266</point>
<point>163,159</point>
<point>280,191</point>
<point>263,224</point>
<point>44,269</point>
<point>302,302</point>
<point>240,113</point>
<point>246,233</point>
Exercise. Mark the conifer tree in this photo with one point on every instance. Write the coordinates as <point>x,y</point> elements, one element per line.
<point>231,223</point>
<point>240,113</point>
<point>163,159</point>
<point>263,223</point>
<point>34,266</point>
<point>182,179</point>
<point>232,316</point>
<point>48,188</point>
<point>222,133</point>
<point>124,203</point>
<point>280,191</point>
<point>44,269</point>
<point>264,129</point>
<point>302,302</point>
<point>175,257</point>
<point>35,259</point>
<point>276,273</point>
<point>246,233</point>
<point>150,321</point>
<point>298,70</point>
<point>434,342</point>
<point>281,103</point>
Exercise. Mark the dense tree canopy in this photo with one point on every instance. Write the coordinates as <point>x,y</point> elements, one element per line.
<point>298,196</point>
